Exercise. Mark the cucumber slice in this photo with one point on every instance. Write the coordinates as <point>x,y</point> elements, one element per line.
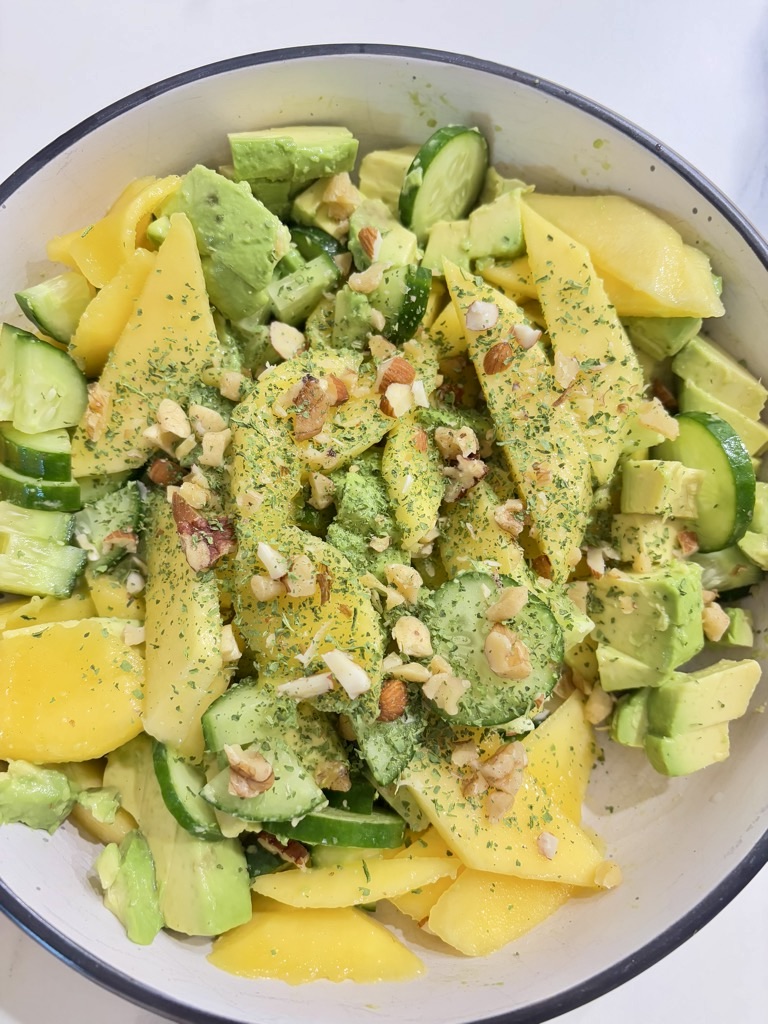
<point>444,179</point>
<point>29,522</point>
<point>180,784</point>
<point>48,495</point>
<point>94,487</point>
<point>290,263</point>
<point>727,569</point>
<point>49,391</point>
<point>45,455</point>
<point>55,306</point>
<point>7,362</point>
<point>402,297</point>
<point>261,861</point>
<point>32,566</point>
<point>335,827</point>
<point>359,797</point>
<point>117,513</point>
<point>727,494</point>
<point>292,794</point>
<point>312,242</point>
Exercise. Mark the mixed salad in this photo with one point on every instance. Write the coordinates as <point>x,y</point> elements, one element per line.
<point>338,515</point>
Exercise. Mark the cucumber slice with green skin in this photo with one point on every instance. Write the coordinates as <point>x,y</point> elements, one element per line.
<point>292,794</point>
<point>180,784</point>
<point>55,306</point>
<point>726,497</point>
<point>402,297</point>
<point>47,495</point>
<point>335,827</point>
<point>359,797</point>
<point>444,179</point>
<point>49,391</point>
<point>29,522</point>
<point>46,455</point>
<point>32,566</point>
<point>291,262</point>
<point>120,512</point>
<point>459,627</point>
<point>94,487</point>
<point>7,363</point>
<point>727,569</point>
<point>261,861</point>
<point>311,242</point>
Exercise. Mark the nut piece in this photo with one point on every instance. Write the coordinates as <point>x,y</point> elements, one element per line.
<point>341,197</point>
<point>506,654</point>
<point>232,385</point>
<point>204,419</point>
<point>452,443</point>
<point>275,563</point>
<point>688,542</point>
<point>509,517</point>
<point>654,416</point>
<point>379,544</point>
<point>133,635</point>
<point>598,706</point>
<point>286,340</point>
<point>394,371</point>
<point>446,690</point>
<point>353,679</point>
<point>504,769</point>
<point>511,602</point>
<point>546,844</point>
<point>412,637</point>
<point>367,281</point>
<point>215,443</point>
<point>292,852</point>
<point>566,369</point>
<point>397,400</point>
<point>164,472</point>
<point>481,316</point>
<point>370,241</point>
<point>250,772</point>
<point>715,621</point>
<point>462,477</point>
<point>301,580</point>
<point>172,419</point>
<point>204,542</point>
<point>414,673</point>
<point>525,336</point>
<point>322,491</point>
<point>405,579</point>
<point>97,412</point>
<point>393,700</point>
<point>306,687</point>
<point>230,652</point>
<point>378,346</point>
<point>311,403</point>
<point>337,390</point>
<point>134,583</point>
<point>497,358</point>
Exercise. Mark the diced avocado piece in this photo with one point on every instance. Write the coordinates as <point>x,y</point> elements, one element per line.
<point>231,225</point>
<point>575,623</point>
<point>694,700</point>
<point>581,658</point>
<point>643,540</point>
<point>318,330</point>
<point>755,547</point>
<point>295,296</point>
<point>661,336</point>
<point>620,671</point>
<point>351,319</point>
<point>689,751</point>
<point>739,633</point>
<point>291,262</point>
<point>38,797</point>
<point>127,876</point>
<point>298,154</point>
<point>496,228</point>
<point>382,173</point>
<point>401,800</point>
<point>362,504</point>
<point>727,569</point>
<point>102,803</point>
<point>653,616</point>
<point>660,487</point>
<point>496,185</point>
<point>448,239</point>
<point>754,434</point>
<point>760,515</point>
<point>276,195</point>
<point>230,293</point>
<point>714,371</point>
<point>630,719</point>
<point>310,208</point>
<point>388,747</point>
<point>157,230</point>
<point>397,247</point>
<point>639,438</point>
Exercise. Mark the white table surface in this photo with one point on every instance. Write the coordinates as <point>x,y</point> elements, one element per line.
<point>693,72</point>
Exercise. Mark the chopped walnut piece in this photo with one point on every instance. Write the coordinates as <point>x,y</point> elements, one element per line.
<point>511,602</point>
<point>405,579</point>
<point>462,477</point>
<point>204,542</point>
<point>394,371</point>
<point>250,772</point>
<point>333,775</point>
<point>341,196</point>
<point>322,491</point>
<point>504,769</point>
<point>353,679</point>
<point>393,700</point>
<point>474,785</point>
<point>367,281</point>
<point>715,621</point>
<point>465,755</point>
<point>412,637</point>
<point>546,844</point>
<point>598,706</point>
<point>311,404</point>
<point>509,516</point>
<point>215,444</point>
<point>172,419</point>
<point>481,316</point>
<point>370,241</point>
<point>286,340</point>
<point>506,653</point>
<point>452,443</point>
<point>498,804</point>
<point>292,852</point>
<point>97,411</point>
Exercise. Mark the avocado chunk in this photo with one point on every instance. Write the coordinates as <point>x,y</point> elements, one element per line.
<point>630,719</point>
<point>695,700</point>
<point>294,296</point>
<point>382,174</point>
<point>496,185</point>
<point>727,569</point>
<point>127,876</point>
<point>459,626</point>
<point>714,371</point>
<point>660,487</point>
<point>37,797</point>
<point>388,747</point>
<point>351,319</point>
<point>231,294</point>
<point>620,671</point>
<point>739,633</point>
<point>693,398</point>
<point>397,246</point>
<point>688,752</point>
<point>760,515</point>
<point>643,540</point>
<point>661,336</point>
<point>755,547</point>
<point>448,240</point>
<point>496,227</point>
<point>297,154</point>
<point>275,195</point>
<point>311,209</point>
<point>231,225</point>
<point>653,616</point>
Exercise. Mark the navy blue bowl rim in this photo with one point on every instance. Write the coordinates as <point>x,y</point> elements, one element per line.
<point>692,922</point>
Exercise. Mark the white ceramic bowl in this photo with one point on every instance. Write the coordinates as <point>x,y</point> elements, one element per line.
<point>687,846</point>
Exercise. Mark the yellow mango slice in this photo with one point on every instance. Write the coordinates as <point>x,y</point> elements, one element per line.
<point>185,671</point>
<point>9,609</point>
<point>39,610</point>
<point>513,277</point>
<point>168,341</point>
<point>107,313</point>
<point>99,250</point>
<point>70,691</point>
<point>539,436</point>
<point>110,598</point>
<point>470,535</point>
<point>447,333</point>
<point>412,471</point>
<point>561,754</point>
<point>637,248</point>
<point>417,904</point>
<point>482,912</point>
<point>351,429</point>
<point>508,846</point>
<point>90,775</point>
<point>356,882</point>
<point>297,946</point>
<point>583,326</point>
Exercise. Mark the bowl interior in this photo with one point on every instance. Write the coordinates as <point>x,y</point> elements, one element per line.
<point>677,842</point>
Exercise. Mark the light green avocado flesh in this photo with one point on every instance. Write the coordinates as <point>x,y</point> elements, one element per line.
<point>127,876</point>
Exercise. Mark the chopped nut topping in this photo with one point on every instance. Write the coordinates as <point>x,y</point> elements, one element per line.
<point>420,440</point>
<point>498,804</point>
<point>715,622</point>
<point>547,845</point>
<point>596,562</point>
<point>414,673</point>
<point>407,580</point>
<point>204,542</point>
<point>133,635</point>
<point>343,261</point>
<point>394,598</point>
<point>397,400</point>
<point>497,358</point>
<point>232,385</point>
<point>322,491</point>
<point>525,336</point>
<point>511,602</point>
<point>462,477</point>
<point>370,242</point>
<point>161,439</point>
<point>608,875</point>
<point>311,404</point>
<point>420,397</point>
<point>182,450</point>
<point>292,852</point>
<point>452,443</point>
<point>306,687</point>
<point>250,772</point>
<point>509,517</point>
<point>412,637</point>
<point>566,369</point>
<point>134,583</point>
<point>250,501</point>
<point>172,419</point>
<point>392,662</point>
<point>264,588</point>
<point>379,544</point>
<point>393,700</point>
<point>654,416</point>
<point>353,679</point>
<point>337,390</point>
<point>164,472</point>
<point>542,566</point>
<point>275,563</point>
<point>97,412</point>
<point>481,316</point>
<point>503,770</point>
<point>286,340</point>
<point>215,444</point>
<point>194,493</point>
<point>439,664</point>
<point>465,755</point>
<point>204,419</point>
<point>446,690</point>
<point>395,370</point>
<point>126,539</point>
<point>379,347</point>
<point>688,542</point>
<point>230,651</point>
<point>301,580</point>
<point>598,706</point>
<point>341,196</point>
<point>506,654</point>
<point>367,281</point>
<point>333,775</point>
